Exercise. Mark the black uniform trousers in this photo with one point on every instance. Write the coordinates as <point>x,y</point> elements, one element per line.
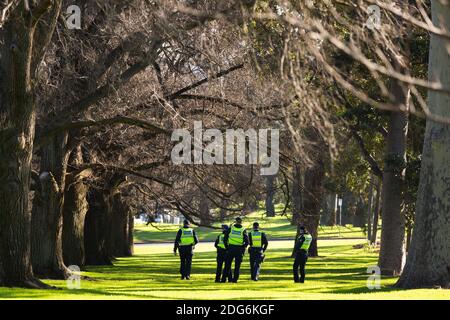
<point>186,253</point>
<point>221,258</point>
<point>301,258</point>
<point>256,255</point>
<point>235,253</point>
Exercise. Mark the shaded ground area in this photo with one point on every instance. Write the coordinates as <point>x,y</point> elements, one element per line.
<point>340,273</point>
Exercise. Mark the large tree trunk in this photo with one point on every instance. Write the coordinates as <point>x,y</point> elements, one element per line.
<point>47,216</point>
<point>99,224</point>
<point>129,250</point>
<point>16,147</point>
<point>18,62</point>
<point>312,202</point>
<point>75,209</point>
<point>270,193</point>
<point>97,229</point>
<point>392,251</point>
<point>428,262</point>
<point>120,231</point>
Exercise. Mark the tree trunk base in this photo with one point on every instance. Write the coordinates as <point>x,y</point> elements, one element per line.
<point>33,283</point>
<point>418,285</point>
<point>54,274</point>
<point>38,284</point>
<point>419,282</point>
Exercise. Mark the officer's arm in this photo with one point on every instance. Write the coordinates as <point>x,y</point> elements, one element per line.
<point>245,239</point>
<point>300,241</point>
<point>195,237</point>
<point>265,243</point>
<point>296,244</point>
<point>225,238</point>
<point>250,241</point>
<point>216,243</point>
<point>177,241</point>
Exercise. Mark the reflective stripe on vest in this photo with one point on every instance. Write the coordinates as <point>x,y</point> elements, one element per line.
<point>307,242</point>
<point>221,244</point>
<point>236,236</point>
<point>256,238</point>
<point>187,237</point>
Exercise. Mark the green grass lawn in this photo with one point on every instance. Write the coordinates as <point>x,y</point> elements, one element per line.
<point>152,273</point>
<point>278,227</point>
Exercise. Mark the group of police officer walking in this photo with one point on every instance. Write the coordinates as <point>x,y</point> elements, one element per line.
<point>231,245</point>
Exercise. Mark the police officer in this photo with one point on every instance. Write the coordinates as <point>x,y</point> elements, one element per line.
<point>185,241</point>
<point>258,245</point>
<point>221,253</point>
<point>301,254</point>
<point>236,241</point>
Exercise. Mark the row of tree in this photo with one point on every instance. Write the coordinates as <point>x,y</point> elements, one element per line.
<point>86,117</point>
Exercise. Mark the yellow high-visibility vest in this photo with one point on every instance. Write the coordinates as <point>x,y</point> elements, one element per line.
<point>307,242</point>
<point>256,238</point>
<point>187,237</point>
<point>221,244</point>
<point>236,236</point>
